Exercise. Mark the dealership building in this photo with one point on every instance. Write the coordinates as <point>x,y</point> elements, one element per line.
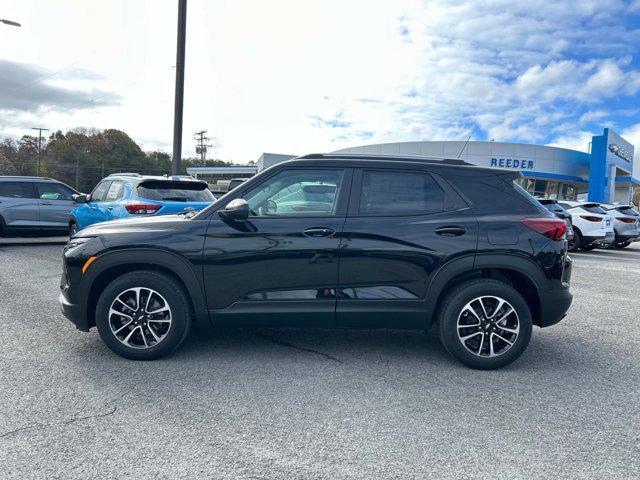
<point>605,173</point>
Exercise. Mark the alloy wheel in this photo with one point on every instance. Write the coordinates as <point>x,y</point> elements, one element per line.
<point>140,317</point>
<point>488,326</point>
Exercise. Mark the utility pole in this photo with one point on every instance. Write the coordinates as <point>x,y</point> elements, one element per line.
<point>179,100</point>
<point>40,130</point>
<point>201,148</point>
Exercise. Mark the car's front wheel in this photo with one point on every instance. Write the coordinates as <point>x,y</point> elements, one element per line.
<point>485,324</point>
<point>143,315</point>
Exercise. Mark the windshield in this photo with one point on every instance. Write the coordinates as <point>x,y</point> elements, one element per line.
<point>171,191</point>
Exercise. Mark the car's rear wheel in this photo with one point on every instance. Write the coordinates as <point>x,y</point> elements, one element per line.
<point>574,244</point>
<point>143,315</point>
<point>621,245</point>
<point>485,324</point>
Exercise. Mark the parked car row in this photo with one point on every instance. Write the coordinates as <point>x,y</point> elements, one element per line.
<point>596,225</point>
<point>45,205</point>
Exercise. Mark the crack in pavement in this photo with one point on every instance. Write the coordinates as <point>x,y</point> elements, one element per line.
<point>282,343</point>
<point>69,421</point>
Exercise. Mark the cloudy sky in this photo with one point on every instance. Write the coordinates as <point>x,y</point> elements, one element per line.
<point>293,76</point>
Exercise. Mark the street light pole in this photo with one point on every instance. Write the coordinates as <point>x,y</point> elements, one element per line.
<point>179,100</point>
<point>40,130</point>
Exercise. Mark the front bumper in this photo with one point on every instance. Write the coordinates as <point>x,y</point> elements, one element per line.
<point>555,304</point>
<point>74,313</point>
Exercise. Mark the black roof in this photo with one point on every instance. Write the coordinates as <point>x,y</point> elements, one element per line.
<point>377,156</point>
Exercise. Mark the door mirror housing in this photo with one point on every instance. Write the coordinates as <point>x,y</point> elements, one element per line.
<point>237,210</point>
<point>81,198</point>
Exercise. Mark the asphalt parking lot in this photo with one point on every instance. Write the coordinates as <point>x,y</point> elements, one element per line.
<point>319,404</point>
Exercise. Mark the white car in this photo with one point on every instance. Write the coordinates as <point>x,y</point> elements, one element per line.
<point>592,226</point>
<point>626,222</point>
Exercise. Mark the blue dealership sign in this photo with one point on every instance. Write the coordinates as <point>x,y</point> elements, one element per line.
<point>512,163</point>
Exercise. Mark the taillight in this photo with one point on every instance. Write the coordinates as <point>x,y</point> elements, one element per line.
<point>142,208</point>
<point>626,220</point>
<point>549,227</point>
<point>589,218</point>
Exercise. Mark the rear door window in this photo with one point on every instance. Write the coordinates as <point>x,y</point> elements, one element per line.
<point>400,193</point>
<point>175,191</point>
<point>100,191</point>
<point>114,193</point>
<point>16,189</point>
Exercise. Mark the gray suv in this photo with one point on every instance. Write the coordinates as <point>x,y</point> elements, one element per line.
<point>34,204</point>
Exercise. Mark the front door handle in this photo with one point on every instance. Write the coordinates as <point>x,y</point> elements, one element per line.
<point>319,232</point>
<point>451,231</point>
<point>46,203</point>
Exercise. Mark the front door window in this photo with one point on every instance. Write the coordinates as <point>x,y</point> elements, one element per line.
<point>297,192</point>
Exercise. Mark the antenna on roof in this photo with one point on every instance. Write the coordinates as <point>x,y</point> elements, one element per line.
<point>463,147</point>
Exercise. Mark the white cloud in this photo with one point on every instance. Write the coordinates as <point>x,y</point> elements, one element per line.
<point>579,141</point>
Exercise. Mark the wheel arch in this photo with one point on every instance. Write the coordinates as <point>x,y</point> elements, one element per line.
<point>111,265</point>
<point>520,273</point>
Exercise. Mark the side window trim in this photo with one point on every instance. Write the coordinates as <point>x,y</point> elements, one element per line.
<point>356,193</point>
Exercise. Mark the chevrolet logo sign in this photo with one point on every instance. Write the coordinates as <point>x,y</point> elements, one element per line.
<point>620,152</point>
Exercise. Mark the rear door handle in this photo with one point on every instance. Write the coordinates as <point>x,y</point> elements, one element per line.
<point>451,231</point>
<point>319,232</point>
<point>46,203</point>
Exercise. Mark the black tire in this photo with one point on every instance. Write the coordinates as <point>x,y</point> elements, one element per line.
<point>452,308</point>
<point>577,240</point>
<point>174,295</point>
<point>3,228</point>
<point>621,245</point>
<point>588,248</point>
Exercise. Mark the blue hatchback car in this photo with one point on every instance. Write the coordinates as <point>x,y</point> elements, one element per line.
<point>124,195</point>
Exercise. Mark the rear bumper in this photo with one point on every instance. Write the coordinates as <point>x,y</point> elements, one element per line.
<point>555,305</point>
<point>623,238</point>
<point>599,241</point>
<point>74,313</point>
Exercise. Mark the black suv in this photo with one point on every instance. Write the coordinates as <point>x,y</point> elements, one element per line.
<point>333,241</point>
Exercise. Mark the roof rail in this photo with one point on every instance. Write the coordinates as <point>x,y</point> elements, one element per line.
<point>378,156</point>
<point>124,174</point>
<point>26,177</point>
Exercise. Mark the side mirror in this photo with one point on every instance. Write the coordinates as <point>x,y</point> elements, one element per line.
<point>237,210</point>
<point>82,198</point>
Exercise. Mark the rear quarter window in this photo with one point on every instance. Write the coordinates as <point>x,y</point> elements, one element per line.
<point>490,194</point>
<point>169,191</point>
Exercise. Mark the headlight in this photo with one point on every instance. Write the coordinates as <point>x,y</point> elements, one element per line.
<point>76,242</point>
